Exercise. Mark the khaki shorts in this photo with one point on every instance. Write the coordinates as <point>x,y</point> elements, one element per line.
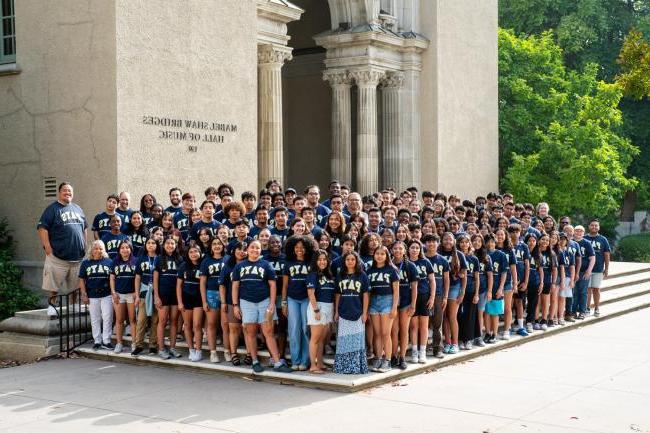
<point>60,276</point>
<point>127,298</point>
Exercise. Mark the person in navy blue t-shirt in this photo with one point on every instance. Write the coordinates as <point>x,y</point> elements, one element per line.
<point>494,306</point>
<point>600,270</point>
<point>94,277</point>
<point>351,311</point>
<point>182,218</point>
<point>234,326</point>
<point>467,327</point>
<point>384,299</point>
<point>164,285</point>
<point>62,232</point>
<point>123,209</point>
<point>137,232</point>
<point>113,238</point>
<point>424,303</point>
<point>144,268</point>
<point>101,222</point>
<point>253,284</point>
<point>408,292</point>
<point>457,287</point>
<point>486,280</point>
<point>321,289</point>
<point>125,294</point>
<point>522,255</point>
<point>587,263</point>
<point>299,251</point>
<point>190,304</point>
<point>207,221</point>
<point>211,266</point>
<point>441,270</point>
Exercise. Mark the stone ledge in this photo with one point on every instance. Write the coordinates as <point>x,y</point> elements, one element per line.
<point>10,69</point>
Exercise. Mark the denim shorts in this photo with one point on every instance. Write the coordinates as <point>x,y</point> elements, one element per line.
<point>214,301</point>
<point>454,291</point>
<point>380,304</point>
<point>482,300</point>
<point>507,287</point>
<point>255,312</point>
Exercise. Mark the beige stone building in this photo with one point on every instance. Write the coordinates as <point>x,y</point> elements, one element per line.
<point>141,95</point>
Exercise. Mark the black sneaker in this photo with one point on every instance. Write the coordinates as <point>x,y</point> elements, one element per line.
<point>580,316</point>
<point>283,368</point>
<point>153,351</point>
<point>108,346</point>
<point>97,346</point>
<point>136,351</point>
<point>491,339</point>
<point>486,338</point>
<point>257,367</point>
<point>401,363</point>
<point>393,361</point>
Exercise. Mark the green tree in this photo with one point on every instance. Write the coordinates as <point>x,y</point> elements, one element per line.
<point>573,154</point>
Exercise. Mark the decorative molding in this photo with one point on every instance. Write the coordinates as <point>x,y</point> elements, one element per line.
<point>338,78</point>
<point>393,79</point>
<point>367,78</point>
<point>269,54</point>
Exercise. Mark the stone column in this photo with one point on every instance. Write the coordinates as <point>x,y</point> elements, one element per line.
<point>270,152</point>
<point>341,126</point>
<point>367,154</point>
<point>398,155</point>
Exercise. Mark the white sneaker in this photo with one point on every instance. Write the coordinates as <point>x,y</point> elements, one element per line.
<point>469,345</point>
<point>228,356</point>
<point>544,327</point>
<point>132,347</point>
<point>505,335</point>
<point>198,355</point>
<point>127,330</point>
<point>192,355</point>
<point>118,348</point>
<point>422,358</point>
<point>51,311</point>
<point>214,357</point>
<point>414,357</point>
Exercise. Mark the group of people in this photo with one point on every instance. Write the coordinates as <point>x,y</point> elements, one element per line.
<point>366,278</point>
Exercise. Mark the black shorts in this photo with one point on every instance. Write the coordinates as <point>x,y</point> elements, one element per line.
<point>421,305</point>
<point>191,300</point>
<point>168,297</point>
<point>520,295</point>
<point>546,290</point>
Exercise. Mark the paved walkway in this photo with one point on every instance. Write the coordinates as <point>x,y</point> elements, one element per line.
<point>595,379</point>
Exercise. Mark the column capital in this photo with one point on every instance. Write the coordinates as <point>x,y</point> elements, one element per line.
<point>393,80</point>
<point>338,78</point>
<point>270,54</point>
<point>367,77</point>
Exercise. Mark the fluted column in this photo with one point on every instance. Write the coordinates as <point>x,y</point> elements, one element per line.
<point>367,151</point>
<point>341,126</point>
<point>270,153</point>
<point>397,156</point>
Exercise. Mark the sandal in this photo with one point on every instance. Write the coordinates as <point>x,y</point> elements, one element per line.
<point>235,359</point>
<point>248,360</point>
<point>317,371</point>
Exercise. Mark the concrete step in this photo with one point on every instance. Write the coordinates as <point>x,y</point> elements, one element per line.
<point>620,269</point>
<point>621,293</point>
<point>353,383</point>
<point>625,280</point>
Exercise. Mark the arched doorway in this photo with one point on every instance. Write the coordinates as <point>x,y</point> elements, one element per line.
<point>307,100</point>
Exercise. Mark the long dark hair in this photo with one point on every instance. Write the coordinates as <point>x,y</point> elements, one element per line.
<point>327,272</point>
<point>232,258</point>
<point>389,262</point>
<point>481,253</point>
<point>290,245</point>
<point>176,255</point>
<point>143,207</point>
<point>118,257</point>
<point>358,268</point>
<point>455,262</point>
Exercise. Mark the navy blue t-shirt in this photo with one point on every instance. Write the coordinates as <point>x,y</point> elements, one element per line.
<point>137,242</point>
<point>500,265</point>
<point>254,279</point>
<point>323,286</point>
<point>96,274</point>
<point>533,276</point>
<point>407,274</point>
<point>102,224</point>
<point>297,272</point>
<point>473,265</point>
<point>65,225</point>
<point>522,253</point>
<point>600,246</point>
<point>124,275</point>
<point>125,216</point>
<point>454,279</point>
<point>549,262</point>
<point>424,268</point>
<point>336,265</point>
<point>212,225</point>
<point>167,269</point>
<point>586,252</point>
<point>367,262</point>
<point>112,243</point>
<point>381,280</point>
<point>440,267</point>
<point>182,224</point>
<point>145,267</point>
<point>281,233</point>
<point>225,280</point>
<point>511,255</point>
<point>351,287</point>
<point>485,274</point>
<point>277,262</point>
<point>190,275</point>
<point>567,260</point>
<point>211,269</point>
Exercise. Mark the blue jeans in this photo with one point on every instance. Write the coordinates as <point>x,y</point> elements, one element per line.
<point>298,339</point>
<point>580,296</point>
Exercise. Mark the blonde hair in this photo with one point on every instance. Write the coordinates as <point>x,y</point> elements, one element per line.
<point>92,246</point>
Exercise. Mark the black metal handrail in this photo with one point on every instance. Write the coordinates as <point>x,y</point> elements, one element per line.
<point>73,322</point>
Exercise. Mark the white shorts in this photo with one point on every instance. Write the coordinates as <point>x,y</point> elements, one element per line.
<point>596,280</point>
<point>60,276</point>
<point>326,314</point>
<point>567,292</point>
<point>126,298</point>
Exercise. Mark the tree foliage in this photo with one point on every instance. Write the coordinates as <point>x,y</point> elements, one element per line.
<point>634,59</point>
<point>559,130</point>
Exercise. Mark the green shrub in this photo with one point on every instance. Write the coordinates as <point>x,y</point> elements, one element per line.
<point>634,248</point>
<point>13,296</point>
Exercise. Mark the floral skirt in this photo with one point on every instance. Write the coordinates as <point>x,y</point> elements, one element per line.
<point>351,348</point>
